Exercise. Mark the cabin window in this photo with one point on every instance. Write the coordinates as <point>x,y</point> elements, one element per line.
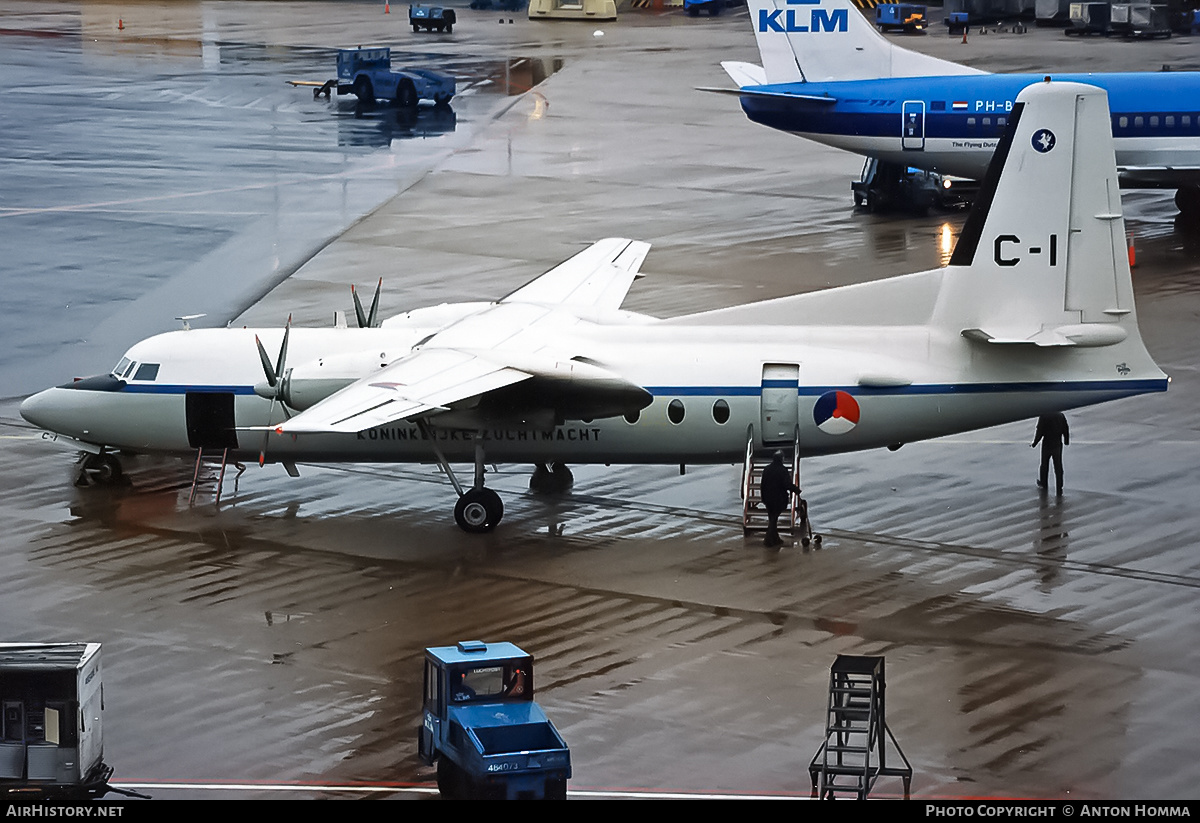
<point>1187,119</point>
<point>720,412</point>
<point>970,121</point>
<point>632,417</point>
<point>147,371</point>
<point>1154,120</point>
<point>987,121</point>
<point>675,412</point>
<point>1124,122</point>
<point>1138,122</point>
<point>1000,121</point>
<point>1169,120</point>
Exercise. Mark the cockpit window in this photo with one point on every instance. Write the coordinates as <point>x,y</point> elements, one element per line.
<point>119,370</point>
<point>147,371</point>
<point>129,369</point>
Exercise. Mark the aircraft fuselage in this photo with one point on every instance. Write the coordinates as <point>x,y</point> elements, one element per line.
<point>709,390</point>
<point>952,124</point>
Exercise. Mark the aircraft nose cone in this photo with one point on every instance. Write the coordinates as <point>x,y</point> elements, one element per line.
<point>49,410</point>
<point>34,409</point>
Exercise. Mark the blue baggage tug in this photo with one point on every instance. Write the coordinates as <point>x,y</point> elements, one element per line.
<point>481,726</point>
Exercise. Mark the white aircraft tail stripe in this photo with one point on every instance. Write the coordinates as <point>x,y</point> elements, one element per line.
<point>825,40</point>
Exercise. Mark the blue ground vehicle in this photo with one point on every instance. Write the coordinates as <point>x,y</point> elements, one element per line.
<point>368,74</point>
<point>713,7</point>
<point>905,16</point>
<point>431,18</point>
<point>481,726</point>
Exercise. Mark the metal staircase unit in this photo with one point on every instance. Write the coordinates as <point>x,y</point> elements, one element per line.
<point>854,754</point>
<point>210,472</point>
<point>794,519</point>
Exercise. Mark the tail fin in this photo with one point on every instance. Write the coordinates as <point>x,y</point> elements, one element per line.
<point>823,40</point>
<point>1042,259</point>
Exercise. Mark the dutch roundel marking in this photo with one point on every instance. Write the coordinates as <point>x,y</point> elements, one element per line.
<point>1043,140</point>
<point>836,412</point>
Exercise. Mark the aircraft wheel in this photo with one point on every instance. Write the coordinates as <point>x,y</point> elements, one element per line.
<point>563,479</point>
<point>416,28</point>
<point>556,789</point>
<point>449,28</point>
<point>693,11</point>
<point>478,511</point>
<point>442,100</point>
<point>104,469</point>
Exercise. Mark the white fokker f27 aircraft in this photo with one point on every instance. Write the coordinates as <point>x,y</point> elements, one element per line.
<point>1034,314</point>
<point>828,75</point>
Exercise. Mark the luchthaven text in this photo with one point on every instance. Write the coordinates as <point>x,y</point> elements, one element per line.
<point>1058,810</point>
<point>562,433</point>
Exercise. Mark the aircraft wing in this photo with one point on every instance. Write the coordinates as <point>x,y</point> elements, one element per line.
<point>428,380</point>
<point>598,277</point>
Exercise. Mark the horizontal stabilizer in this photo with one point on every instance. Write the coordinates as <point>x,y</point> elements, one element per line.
<point>1084,335</point>
<point>745,74</point>
<point>769,93</point>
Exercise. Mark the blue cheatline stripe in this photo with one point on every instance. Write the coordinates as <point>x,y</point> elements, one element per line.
<point>1130,386</point>
<point>150,388</point>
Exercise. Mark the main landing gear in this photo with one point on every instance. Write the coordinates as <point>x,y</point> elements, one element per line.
<point>553,480</point>
<point>478,510</point>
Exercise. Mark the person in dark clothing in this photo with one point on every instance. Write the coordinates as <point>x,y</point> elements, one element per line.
<point>1053,433</point>
<point>776,486</point>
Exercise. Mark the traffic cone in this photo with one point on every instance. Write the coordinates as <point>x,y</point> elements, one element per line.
<point>387,7</point>
<point>120,24</point>
<point>964,42</point>
<point>1132,252</point>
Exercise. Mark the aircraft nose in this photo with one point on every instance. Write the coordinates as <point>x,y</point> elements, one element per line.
<point>47,410</point>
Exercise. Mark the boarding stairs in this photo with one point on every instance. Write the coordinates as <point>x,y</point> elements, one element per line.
<point>794,519</point>
<point>854,754</point>
<point>209,474</point>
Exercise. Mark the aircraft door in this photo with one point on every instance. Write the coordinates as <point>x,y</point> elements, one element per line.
<point>779,403</point>
<point>912,137</point>
<point>210,422</point>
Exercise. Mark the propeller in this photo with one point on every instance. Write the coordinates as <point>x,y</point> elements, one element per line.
<point>275,386</point>
<point>367,321</point>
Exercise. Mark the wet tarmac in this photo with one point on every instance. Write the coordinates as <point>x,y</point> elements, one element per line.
<point>271,645</point>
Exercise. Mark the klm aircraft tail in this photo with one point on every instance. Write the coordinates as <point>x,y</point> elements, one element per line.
<point>823,40</point>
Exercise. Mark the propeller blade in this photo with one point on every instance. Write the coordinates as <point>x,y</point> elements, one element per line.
<point>375,305</point>
<point>287,330</point>
<point>275,378</point>
<point>358,309</point>
<point>272,379</point>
